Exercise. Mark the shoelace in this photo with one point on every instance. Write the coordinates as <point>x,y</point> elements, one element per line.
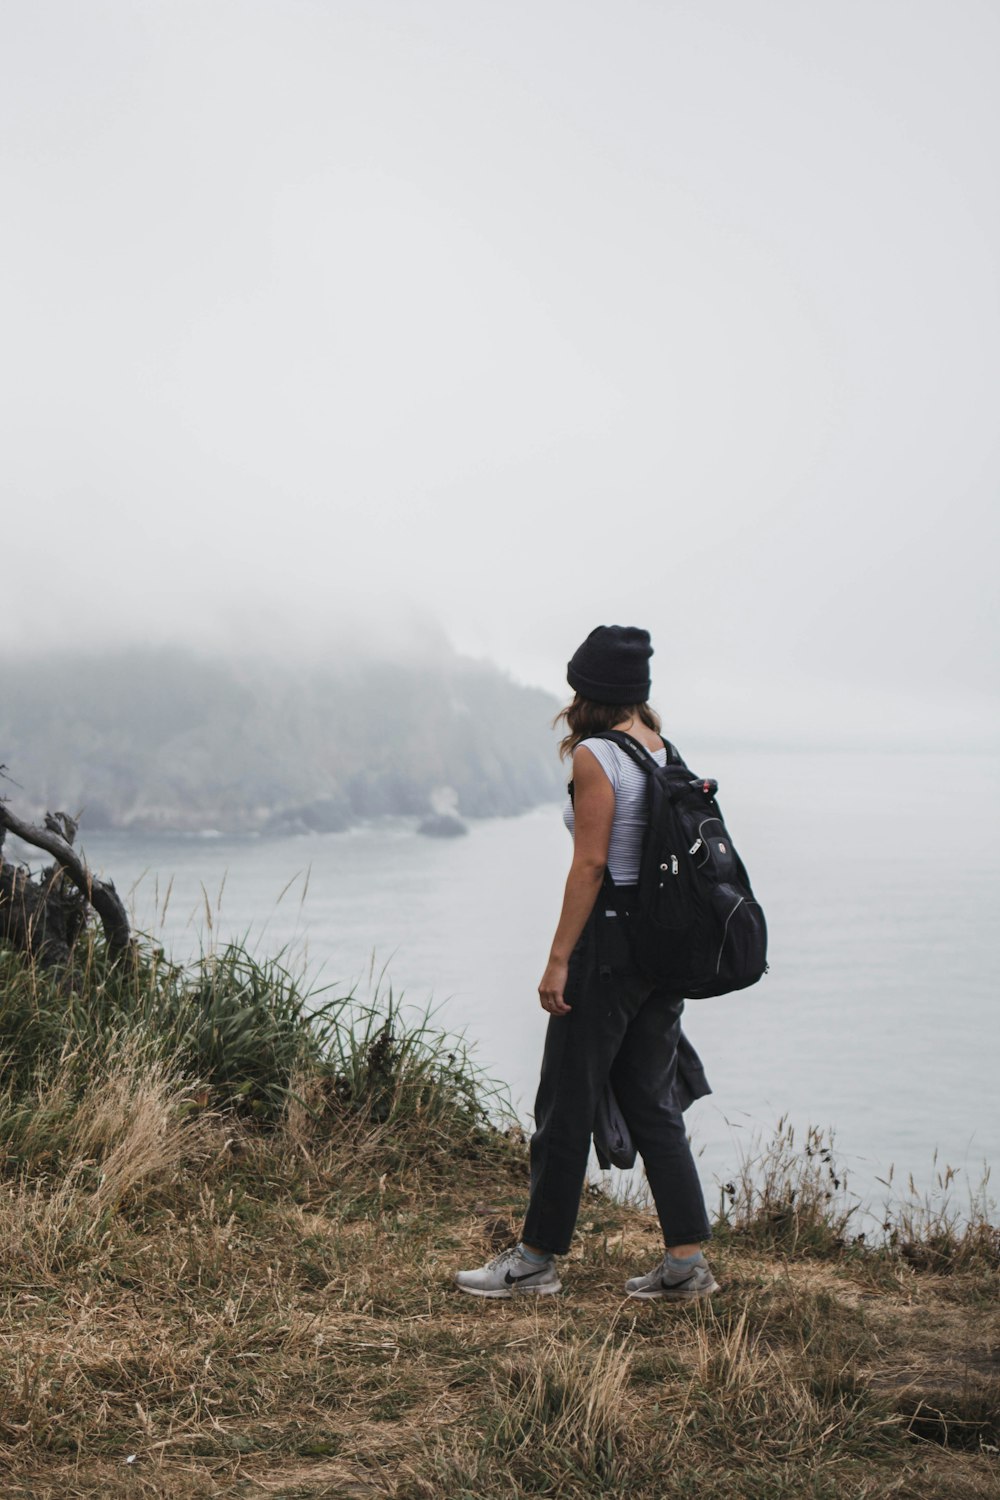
<point>505,1258</point>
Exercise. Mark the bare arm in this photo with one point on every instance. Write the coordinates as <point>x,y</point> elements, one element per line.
<point>594,811</point>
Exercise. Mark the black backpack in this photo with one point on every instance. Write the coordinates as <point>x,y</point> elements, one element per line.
<point>697,929</point>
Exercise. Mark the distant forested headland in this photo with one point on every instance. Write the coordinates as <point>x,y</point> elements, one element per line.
<point>167,739</point>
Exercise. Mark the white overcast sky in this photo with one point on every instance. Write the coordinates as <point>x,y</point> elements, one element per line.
<point>516,317</point>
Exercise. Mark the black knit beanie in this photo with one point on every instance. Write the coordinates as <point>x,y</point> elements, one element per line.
<point>612,665</point>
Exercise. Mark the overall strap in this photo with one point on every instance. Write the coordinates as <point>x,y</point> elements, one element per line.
<point>607,894</point>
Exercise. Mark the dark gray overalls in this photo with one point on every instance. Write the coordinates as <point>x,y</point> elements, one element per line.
<point>624,1029</point>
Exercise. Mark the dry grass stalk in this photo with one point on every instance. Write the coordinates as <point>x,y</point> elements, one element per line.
<point>566,1395</point>
<point>129,1132</point>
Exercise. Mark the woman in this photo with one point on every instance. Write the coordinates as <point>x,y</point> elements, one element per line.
<point>607,1024</point>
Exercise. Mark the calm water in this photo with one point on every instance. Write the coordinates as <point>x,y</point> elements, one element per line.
<point>879,1015</point>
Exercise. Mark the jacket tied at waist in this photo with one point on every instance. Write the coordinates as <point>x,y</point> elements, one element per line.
<point>612,1141</point>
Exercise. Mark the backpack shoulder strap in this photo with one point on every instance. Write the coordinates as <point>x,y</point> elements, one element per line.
<point>636,750</point>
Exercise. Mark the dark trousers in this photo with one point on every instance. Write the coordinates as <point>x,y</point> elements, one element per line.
<point>623,1028</point>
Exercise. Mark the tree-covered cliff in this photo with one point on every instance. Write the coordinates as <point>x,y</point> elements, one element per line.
<point>170,739</point>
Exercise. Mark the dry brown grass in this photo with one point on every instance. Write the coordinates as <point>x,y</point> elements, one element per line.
<point>83,1156</point>
<point>274,1316</point>
<point>195,1305</point>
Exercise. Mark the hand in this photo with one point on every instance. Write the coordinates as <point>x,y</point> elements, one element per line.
<point>550,991</point>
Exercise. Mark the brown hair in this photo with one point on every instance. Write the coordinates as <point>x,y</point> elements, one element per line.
<point>584,717</point>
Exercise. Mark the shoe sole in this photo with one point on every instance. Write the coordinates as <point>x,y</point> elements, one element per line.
<point>506,1293</point>
<point>674,1294</point>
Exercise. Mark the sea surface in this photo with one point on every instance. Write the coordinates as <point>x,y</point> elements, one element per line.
<point>880,1017</point>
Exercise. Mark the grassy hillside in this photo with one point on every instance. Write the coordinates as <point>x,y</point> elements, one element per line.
<point>150,739</point>
<point>227,1232</point>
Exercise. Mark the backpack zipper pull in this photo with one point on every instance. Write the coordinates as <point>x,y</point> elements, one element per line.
<point>674,867</point>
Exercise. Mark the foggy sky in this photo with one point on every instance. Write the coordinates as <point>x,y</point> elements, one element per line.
<point>334,316</point>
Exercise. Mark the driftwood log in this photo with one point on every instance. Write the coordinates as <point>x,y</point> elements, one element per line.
<point>43,915</point>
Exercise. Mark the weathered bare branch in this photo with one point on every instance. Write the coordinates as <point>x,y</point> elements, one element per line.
<point>101,894</point>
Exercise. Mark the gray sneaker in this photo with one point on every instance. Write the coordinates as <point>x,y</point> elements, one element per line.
<point>507,1273</point>
<point>676,1283</point>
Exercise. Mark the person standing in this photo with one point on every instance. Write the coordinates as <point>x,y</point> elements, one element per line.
<point>608,1024</point>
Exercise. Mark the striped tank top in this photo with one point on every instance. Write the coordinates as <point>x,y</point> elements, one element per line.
<point>629,785</point>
